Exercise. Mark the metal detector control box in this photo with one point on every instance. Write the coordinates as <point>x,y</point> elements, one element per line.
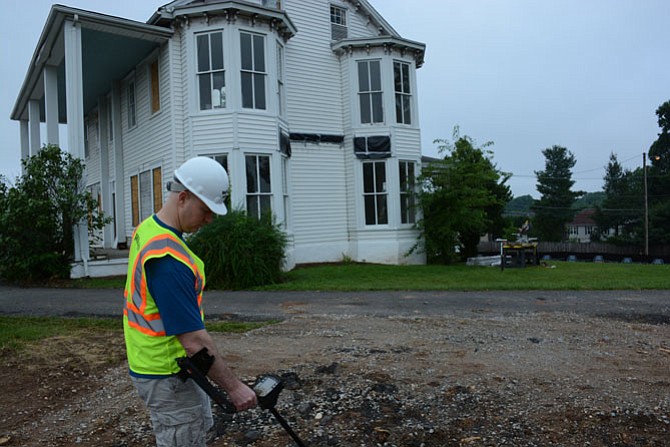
<point>267,389</point>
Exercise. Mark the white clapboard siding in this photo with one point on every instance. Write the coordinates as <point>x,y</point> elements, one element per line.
<point>319,202</point>
<point>313,82</point>
<point>213,130</point>
<point>257,131</point>
<point>407,143</point>
<point>149,144</point>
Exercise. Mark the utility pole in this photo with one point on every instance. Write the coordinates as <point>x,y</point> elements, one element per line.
<point>646,206</point>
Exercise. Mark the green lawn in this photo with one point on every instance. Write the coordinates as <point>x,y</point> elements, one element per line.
<point>16,332</point>
<point>556,275</point>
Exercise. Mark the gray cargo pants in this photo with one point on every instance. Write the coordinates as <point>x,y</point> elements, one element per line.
<point>181,412</point>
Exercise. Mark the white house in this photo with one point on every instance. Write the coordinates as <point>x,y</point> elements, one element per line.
<point>311,105</point>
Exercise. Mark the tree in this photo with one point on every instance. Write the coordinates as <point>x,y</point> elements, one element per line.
<point>659,180</point>
<point>623,201</point>
<point>38,214</point>
<point>463,197</point>
<point>554,208</point>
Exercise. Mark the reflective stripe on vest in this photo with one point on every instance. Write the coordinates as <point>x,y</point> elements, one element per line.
<point>135,308</point>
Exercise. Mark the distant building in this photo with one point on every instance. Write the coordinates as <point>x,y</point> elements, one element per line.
<point>583,225</point>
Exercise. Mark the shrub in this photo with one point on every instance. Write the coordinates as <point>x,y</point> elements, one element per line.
<point>240,251</point>
<point>38,214</point>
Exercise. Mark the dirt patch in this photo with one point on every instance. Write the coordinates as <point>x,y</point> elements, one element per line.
<point>482,380</point>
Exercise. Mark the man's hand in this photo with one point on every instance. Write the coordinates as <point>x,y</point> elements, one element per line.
<point>240,394</point>
<point>242,397</point>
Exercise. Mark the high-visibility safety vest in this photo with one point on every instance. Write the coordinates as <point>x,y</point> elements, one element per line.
<point>150,351</point>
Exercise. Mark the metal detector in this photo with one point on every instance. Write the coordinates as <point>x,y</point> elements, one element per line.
<point>267,388</point>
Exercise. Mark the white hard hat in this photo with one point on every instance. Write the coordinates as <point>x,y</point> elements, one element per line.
<point>207,179</point>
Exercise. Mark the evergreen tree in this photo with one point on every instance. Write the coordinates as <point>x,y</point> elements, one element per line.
<point>554,208</point>
<point>621,208</point>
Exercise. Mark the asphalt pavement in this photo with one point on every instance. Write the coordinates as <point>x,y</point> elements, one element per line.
<point>653,305</point>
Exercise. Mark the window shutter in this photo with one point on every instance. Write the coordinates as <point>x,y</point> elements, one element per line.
<point>155,91</point>
<point>158,189</point>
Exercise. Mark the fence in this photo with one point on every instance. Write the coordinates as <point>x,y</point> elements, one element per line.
<point>587,251</point>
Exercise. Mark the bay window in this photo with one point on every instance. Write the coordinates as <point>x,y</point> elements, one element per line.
<point>374,193</point>
<point>253,74</point>
<point>370,92</point>
<point>210,71</point>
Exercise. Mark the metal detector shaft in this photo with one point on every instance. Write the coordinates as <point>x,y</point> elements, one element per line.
<point>287,427</point>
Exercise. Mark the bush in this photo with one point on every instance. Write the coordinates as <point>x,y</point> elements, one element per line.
<point>38,214</point>
<point>240,251</point>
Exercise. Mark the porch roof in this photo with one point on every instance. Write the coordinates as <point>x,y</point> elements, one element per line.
<point>111,47</point>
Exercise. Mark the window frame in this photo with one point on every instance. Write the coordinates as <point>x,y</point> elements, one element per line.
<point>281,103</point>
<point>370,97</point>
<point>136,194</point>
<point>375,201</point>
<point>338,22</point>
<point>261,197</point>
<point>407,169</point>
<point>212,74</point>
<point>258,75</point>
<point>403,97</point>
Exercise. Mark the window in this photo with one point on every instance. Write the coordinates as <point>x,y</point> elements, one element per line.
<point>280,78</point>
<point>210,71</point>
<point>132,111</point>
<point>338,22</point>
<point>87,144</point>
<point>222,159</point>
<point>370,92</point>
<point>259,193</point>
<point>374,193</point>
<point>155,87</point>
<point>284,187</point>
<point>252,51</point>
<point>110,119</point>
<point>403,97</point>
<point>407,183</point>
<point>146,194</point>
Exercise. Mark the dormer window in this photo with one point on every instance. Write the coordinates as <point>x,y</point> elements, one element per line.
<point>338,22</point>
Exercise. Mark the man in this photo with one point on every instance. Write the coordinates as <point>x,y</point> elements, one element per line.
<point>163,317</point>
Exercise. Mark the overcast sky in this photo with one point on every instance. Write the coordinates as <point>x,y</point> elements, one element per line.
<point>526,74</point>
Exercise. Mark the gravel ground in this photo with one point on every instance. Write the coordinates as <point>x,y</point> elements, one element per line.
<point>485,379</point>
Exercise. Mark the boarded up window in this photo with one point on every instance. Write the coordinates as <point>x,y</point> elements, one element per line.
<point>158,190</point>
<point>155,89</point>
<point>146,196</point>
<point>135,199</point>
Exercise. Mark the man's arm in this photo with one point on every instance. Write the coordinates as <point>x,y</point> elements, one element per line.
<point>240,394</point>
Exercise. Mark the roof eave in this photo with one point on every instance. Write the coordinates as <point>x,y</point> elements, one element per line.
<point>417,48</point>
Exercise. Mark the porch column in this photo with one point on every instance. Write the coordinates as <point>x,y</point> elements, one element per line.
<point>34,126</point>
<point>75,121</point>
<point>103,122</point>
<point>25,141</point>
<point>119,173</point>
<point>51,103</point>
